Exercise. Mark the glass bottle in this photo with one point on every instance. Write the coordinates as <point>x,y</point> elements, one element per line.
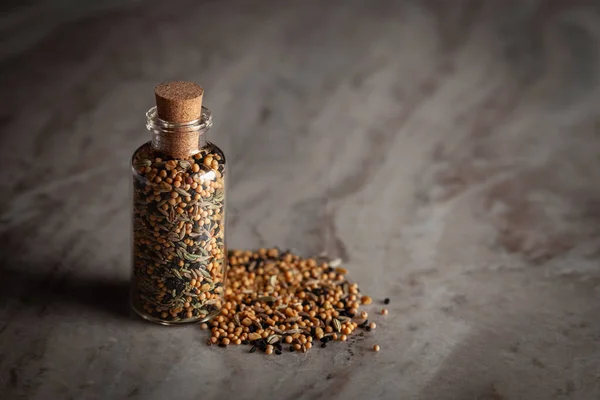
<point>179,252</point>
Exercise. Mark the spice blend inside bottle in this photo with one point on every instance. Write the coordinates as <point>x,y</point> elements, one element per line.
<point>179,253</point>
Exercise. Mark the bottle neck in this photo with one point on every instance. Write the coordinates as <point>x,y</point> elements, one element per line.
<point>178,140</point>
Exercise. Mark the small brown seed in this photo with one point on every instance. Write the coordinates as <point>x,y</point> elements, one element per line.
<point>254,336</point>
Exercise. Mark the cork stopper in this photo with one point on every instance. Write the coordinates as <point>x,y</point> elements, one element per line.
<point>179,101</point>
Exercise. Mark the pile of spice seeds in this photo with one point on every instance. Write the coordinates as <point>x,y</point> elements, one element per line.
<point>179,252</point>
<point>279,301</point>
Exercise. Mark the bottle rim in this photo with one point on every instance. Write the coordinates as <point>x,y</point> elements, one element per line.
<point>158,125</point>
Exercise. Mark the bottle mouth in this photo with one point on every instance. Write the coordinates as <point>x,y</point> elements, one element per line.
<point>155,124</point>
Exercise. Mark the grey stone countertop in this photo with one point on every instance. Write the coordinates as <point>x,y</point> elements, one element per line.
<point>448,152</point>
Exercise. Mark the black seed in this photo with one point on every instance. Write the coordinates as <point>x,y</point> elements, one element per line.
<point>323,345</point>
<point>253,349</point>
<point>245,341</point>
<point>386,301</point>
<point>222,345</point>
<point>292,348</point>
<point>278,352</point>
<point>324,339</point>
<point>368,329</point>
<point>252,328</point>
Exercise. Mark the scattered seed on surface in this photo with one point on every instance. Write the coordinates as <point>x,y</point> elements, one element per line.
<point>275,298</point>
<point>384,311</point>
<point>376,347</point>
<point>386,301</point>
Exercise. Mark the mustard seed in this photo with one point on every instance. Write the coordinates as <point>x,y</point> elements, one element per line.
<point>376,348</point>
<point>372,325</point>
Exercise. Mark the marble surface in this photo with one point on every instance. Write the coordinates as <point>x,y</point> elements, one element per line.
<point>448,151</point>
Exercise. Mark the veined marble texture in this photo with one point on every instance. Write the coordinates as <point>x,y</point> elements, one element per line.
<point>447,151</point>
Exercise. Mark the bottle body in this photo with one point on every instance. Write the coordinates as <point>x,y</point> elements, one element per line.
<point>179,252</point>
